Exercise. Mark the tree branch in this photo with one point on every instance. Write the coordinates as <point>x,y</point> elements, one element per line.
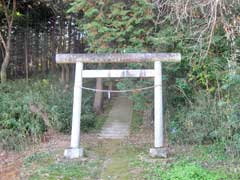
<point>5,11</point>
<point>2,51</point>
<point>11,18</point>
<point>3,41</point>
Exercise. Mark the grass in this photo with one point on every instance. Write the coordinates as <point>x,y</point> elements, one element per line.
<point>186,172</point>
<point>61,171</point>
<point>118,158</point>
<point>51,166</point>
<point>41,158</point>
<point>192,163</point>
<point>120,161</point>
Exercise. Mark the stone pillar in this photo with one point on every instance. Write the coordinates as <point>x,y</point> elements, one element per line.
<point>158,150</point>
<point>75,151</point>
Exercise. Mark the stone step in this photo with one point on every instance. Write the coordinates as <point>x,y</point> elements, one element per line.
<point>115,133</point>
<point>111,136</point>
<point>118,122</point>
<point>115,129</point>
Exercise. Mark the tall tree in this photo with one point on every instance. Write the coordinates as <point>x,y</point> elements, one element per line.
<point>115,26</point>
<point>6,42</point>
<point>9,10</point>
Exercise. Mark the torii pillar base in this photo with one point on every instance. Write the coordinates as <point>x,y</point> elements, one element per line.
<point>160,152</point>
<point>73,153</point>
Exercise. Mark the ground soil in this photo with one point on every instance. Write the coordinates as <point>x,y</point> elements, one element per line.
<point>11,162</point>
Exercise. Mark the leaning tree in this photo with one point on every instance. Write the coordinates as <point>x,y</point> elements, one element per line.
<point>8,9</point>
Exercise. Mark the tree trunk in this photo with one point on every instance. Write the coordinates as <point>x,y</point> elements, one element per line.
<point>6,59</point>
<point>69,48</point>
<point>62,74</point>
<point>98,101</point>
<point>7,43</point>
<point>4,67</point>
<point>44,53</point>
<point>1,53</point>
<point>53,61</point>
<point>36,59</point>
<point>67,73</point>
<point>26,55</point>
<point>53,47</point>
<point>62,42</point>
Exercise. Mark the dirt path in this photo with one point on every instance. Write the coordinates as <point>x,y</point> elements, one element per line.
<point>118,122</point>
<point>116,157</point>
<point>115,165</point>
<point>115,129</point>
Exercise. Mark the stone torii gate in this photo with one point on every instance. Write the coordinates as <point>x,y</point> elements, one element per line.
<point>75,150</point>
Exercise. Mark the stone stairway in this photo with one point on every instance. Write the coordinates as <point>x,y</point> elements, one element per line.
<point>118,122</point>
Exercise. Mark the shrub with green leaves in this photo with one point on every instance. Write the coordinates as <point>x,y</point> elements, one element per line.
<point>208,120</point>
<point>57,102</point>
<point>20,126</point>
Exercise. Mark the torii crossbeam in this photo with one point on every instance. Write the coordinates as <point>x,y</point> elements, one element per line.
<point>75,150</point>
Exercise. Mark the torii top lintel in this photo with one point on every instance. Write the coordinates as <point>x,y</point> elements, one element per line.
<point>118,57</point>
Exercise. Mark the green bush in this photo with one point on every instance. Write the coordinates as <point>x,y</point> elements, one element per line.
<point>190,172</point>
<point>17,124</point>
<point>199,122</point>
<point>20,126</point>
<point>57,102</point>
<point>207,120</point>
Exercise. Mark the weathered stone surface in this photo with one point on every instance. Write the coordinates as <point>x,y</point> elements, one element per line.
<point>158,152</point>
<point>118,57</point>
<point>73,153</point>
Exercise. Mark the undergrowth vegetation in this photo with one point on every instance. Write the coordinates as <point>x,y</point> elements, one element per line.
<point>195,162</point>
<point>28,108</point>
<point>125,161</point>
<point>209,119</point>
<point>184,171</point>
